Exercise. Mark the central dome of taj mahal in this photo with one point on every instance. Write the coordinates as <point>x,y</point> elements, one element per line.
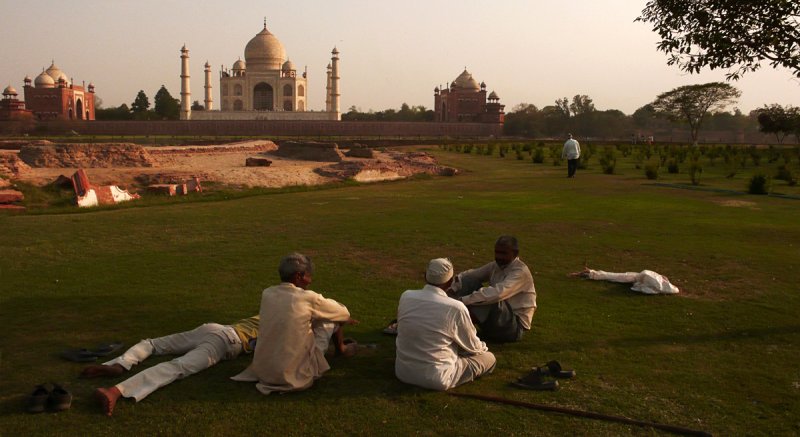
<point>264,52</point>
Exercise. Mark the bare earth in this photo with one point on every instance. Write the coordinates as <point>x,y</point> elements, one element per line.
<point>225,164</point>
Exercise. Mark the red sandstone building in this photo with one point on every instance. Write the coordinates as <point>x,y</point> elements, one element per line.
<point>465,101</point>
<point>11,108</point>
<point>54,96</point>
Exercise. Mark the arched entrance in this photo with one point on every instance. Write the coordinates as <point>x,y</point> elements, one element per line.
<point>263,97</point>
<point>79,109</point>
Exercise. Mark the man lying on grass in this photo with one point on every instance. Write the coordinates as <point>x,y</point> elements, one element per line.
<point>201,347</point>
<point>504,308</point>
<point>437,345</point>
<point>297,327</point>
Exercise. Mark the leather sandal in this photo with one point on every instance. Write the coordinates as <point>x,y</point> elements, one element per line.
<point>534,380</point>
<point>553,368</point>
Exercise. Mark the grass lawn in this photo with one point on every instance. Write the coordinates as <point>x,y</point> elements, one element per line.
<point>721,356</point>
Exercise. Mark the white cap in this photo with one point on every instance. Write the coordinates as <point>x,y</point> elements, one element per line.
<point>440,270</point>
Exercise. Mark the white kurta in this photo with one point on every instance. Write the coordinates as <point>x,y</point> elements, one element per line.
<point>513,282</point>
<point>286,357</point>
<point>435,339</point>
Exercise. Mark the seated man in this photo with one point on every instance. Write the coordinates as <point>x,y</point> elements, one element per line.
<point>437,346</point>
<point>297,326</point>
<point>503,309</point>
<point>201,347</point>
<point>646,281</point>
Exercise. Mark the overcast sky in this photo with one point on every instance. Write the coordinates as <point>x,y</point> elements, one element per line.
<point>391,52</point>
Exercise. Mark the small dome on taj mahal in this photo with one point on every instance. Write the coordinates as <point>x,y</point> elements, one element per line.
<point>238,65</point>
<point>287,66</point>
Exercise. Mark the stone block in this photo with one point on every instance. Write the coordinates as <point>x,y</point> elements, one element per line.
<point>168,189</point>
<point>11,196</point>
<point>257,162</point>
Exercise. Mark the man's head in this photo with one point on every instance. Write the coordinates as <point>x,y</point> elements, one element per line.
<point>297,269</point>
<point>506,249</point>
<point>440,273</point>
<point>569,136</point>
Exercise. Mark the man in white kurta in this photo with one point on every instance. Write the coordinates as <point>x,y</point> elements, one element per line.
<point>572,153</point>
<point>504,308</point>
<point>296,328</point>
<point>437,345</point>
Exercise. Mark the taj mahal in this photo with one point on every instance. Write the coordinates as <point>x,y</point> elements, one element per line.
<point>263,86</point>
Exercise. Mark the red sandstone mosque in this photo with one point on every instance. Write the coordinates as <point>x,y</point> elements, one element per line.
<point>54,96</point>
<point>465,101</point>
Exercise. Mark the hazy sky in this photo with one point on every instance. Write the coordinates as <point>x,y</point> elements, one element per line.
<point>391,52</point>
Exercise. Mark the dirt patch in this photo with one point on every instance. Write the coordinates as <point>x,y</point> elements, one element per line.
<point>737,203</point>
<point>225,165</point>
<point>310,151</point>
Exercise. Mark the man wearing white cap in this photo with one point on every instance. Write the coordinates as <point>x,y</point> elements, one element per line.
<point>437,345</point>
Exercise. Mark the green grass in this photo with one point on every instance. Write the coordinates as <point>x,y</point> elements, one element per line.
<point>721,356</point>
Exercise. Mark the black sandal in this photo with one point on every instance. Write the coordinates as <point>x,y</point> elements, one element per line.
<point>553,368</point>
<point>535,381</point>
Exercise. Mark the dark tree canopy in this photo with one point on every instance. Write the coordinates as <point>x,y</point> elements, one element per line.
<point>778,120</point>
<point>166,106</point>
<point>692,103</point>
<point>141,103</point>
<point>730,34</point>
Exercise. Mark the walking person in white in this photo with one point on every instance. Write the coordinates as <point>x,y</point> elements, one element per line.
<point>437,345</point>
<point>572,153</point>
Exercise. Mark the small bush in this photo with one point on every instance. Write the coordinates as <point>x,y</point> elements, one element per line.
<point>672,166</point>
<point>651,170</point>
<point>759,184</point>
<point>520,157</point>
<point>695,169</point>
<point>538,155</point>
<point>468,148</point>
<point>785,173</point>
<point>490,149</point>
<point>608,160</point>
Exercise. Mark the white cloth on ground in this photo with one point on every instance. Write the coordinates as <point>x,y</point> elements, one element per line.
<point>646,281</point>
<point>513,282</point>
<point>201,347</point>
<point>437,345</point>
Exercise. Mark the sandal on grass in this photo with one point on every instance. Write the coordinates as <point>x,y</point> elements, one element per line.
<point>391,329</point>
<point>553,368</point>
<point>534,380</point>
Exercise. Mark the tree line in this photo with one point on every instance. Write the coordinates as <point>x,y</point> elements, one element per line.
<point>165,107</point>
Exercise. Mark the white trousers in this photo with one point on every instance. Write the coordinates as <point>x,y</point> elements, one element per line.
<point>201,347</point>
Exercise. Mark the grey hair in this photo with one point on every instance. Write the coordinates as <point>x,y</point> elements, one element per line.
<point>508,241</point>
<point>294,263</point>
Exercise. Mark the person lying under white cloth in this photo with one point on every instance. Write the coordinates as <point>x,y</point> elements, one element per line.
<point>646,281</point>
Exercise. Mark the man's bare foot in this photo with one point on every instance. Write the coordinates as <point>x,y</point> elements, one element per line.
<point>349,350</point>
<point>95,370</point>
<point>107,398</point>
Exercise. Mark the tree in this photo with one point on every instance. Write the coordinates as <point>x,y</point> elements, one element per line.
<point>731,34</point>
<point>141,104</point>
<point>692,103</point>
<point>196,106</point>
<point>778,120</point>
<point>563,106</point>
<point>122,112</point>
<point>167,107</point>
<point>581,104</point>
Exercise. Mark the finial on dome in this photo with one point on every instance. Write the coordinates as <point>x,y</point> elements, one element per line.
<point>265,22</point>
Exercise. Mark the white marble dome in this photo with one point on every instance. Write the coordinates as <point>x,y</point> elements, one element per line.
<point>264,52</point>
<point>44,80</point>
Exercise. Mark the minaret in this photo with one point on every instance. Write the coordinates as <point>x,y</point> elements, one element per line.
<point>209,102</point>
<point>186,94</point>
<point>335,84</point>
<point>328,89</point>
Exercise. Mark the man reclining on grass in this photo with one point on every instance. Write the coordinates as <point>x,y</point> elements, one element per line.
<point>437,345</point>
<point>504,308</point>
<point>201,347</point>
<point>297,326</point>
<point>646,281</point>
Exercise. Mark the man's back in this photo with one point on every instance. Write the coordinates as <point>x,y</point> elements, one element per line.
<point>432,330</point>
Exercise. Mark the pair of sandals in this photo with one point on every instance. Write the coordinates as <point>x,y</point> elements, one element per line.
<point>89,355</point>
<point>536,378</point>
<point>43,398</point>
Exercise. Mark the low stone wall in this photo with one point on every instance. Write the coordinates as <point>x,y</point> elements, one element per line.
<point>274,128</point>
<point>85,155</point>
<point>309,151</point>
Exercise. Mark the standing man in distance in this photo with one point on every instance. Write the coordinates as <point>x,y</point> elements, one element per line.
<point>437,345</point>
<point>504,308</point>
<point>572,152</point>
